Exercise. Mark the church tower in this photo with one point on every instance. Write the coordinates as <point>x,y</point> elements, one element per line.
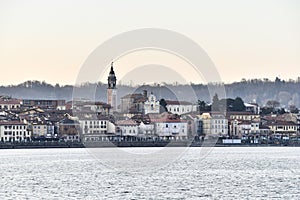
<point>111,88</point>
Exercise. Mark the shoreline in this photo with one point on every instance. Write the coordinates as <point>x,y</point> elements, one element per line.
<point>114,144</point>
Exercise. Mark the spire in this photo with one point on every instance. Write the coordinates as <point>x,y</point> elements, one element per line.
<point>112,68</point>
<point>112,77</point>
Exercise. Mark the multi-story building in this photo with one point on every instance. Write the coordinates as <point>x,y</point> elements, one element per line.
<point>180,107</point>
<point>41,129</point>
<point>9,103</point>
<point>214,124</point>
<point>127,128</point>
<point>282,127</point>
<point>69,129</point>
<point>14,131</point>
<point>44,104</point>
<point>169,126</point>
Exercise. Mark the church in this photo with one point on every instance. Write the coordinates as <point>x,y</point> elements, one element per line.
<point>112,89</point>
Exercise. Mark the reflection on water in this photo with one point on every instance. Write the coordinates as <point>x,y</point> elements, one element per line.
<point>225,173</point>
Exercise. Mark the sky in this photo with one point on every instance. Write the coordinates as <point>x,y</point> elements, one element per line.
<point>50,40</point>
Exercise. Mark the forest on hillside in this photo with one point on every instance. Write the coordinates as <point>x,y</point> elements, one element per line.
<point>254,90</point>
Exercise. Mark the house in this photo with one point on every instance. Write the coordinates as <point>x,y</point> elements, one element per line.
<point>127,128</point>
<point>40,129</point>
<point>69,129</point>
<point>14,131</point>
<point>170,126</point>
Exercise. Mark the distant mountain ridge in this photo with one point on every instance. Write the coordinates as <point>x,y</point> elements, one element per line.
<point>255,90</point>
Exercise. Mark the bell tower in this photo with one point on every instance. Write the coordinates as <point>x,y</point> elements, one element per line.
<point>112,89</point>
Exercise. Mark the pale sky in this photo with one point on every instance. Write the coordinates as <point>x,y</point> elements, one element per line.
<point>50,40</point>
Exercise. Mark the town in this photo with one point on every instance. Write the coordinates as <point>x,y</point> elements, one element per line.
<point>143,120</point>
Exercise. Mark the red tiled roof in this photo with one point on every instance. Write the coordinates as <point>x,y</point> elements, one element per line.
<point>127,122</point>
<point>280,123</point>
<point>10,101</point>
<point>11,123</point>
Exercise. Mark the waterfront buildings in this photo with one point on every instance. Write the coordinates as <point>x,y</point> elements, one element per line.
<point>140,116</point>
<point>14,131</point>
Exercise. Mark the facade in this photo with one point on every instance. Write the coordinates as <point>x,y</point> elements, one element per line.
<point>180,107</point>
<point>246,116</point>
<point>42,129</point>
<point>112,89</point>
<point>282,127</point>
<point>239,128</point>
<point>169,126</point>
<point>69,129</point>
<point>10,104</point>
<point>176,129</point>
<point>44,104</point>
<point>146,129</point>
<point>96,129</point>
<point>214,124</point>
<point>14,131</point>
<point>128,128</point>
<point>151,105</point>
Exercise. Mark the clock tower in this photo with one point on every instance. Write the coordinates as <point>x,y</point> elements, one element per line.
<point>111,89</point>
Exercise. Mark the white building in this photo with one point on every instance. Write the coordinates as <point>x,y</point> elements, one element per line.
<point>239,128</point>
<point>12,131</point>
<point>146,129</point>
<point>169,126</point>
<point>128,128</point>
<point>180,107</point>
<point>151,105</point>
<point>96,129</point>
<point>252,107</point>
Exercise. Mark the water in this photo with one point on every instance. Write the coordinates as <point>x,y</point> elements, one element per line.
<point>224,173</point>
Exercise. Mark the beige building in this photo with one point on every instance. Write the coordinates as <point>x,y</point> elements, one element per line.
<point>214,124</point>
